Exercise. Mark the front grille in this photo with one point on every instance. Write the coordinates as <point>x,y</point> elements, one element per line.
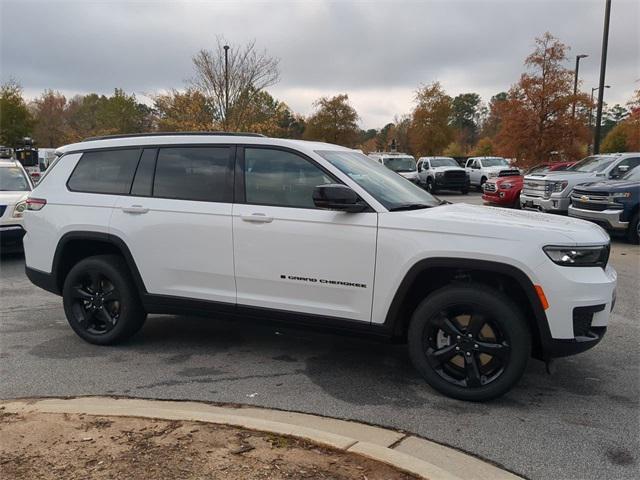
<point>2,209</point>
<point>582,319</point>
<point>593,207</point>
<point>534,188</point>
<point>489,187</point>
<point>509,173</point>
<point>455,175</point>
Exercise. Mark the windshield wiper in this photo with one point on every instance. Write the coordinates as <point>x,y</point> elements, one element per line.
<point>409,206</point>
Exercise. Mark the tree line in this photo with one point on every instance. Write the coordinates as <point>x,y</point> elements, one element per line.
<point>532,122</point>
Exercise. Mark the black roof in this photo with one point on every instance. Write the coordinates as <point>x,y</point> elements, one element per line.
<point>165,134</point>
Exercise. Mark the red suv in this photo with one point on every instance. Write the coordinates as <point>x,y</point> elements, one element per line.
<point>505,191</point>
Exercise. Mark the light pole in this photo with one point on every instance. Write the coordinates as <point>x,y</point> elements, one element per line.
<point>603,69</point>
<point>591,106</point>
<point>226,85</point>
<point>575,83</point>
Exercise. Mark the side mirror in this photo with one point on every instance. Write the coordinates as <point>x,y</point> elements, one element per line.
<point>337,197</point>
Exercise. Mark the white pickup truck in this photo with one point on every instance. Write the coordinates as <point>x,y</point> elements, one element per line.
<point>481,169</point>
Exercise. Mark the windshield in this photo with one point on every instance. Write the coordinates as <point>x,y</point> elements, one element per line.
<point>444,162</point>
<point>400,164</point>
<point>538,169</point>
<point>494,162</point>
<point>13,180</point>
<point>592,164</point>
<point>633,174</point>
<point>391,190</point>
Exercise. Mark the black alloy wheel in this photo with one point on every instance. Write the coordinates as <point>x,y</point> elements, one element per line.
<point>101,300</point>
<point>96,303</point>
<point>469,341</point>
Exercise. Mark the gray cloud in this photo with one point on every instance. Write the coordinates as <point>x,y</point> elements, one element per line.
<point>377,51</point>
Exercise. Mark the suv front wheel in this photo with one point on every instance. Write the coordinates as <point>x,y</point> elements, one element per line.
<point>469,342</point>
<point>101,301</point>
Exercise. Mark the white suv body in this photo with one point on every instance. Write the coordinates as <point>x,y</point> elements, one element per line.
<point>316,234</point>
<point>15,185</point>
<point>480,169</point>
<point>551,191</point>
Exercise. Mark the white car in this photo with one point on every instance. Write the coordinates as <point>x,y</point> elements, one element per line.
<point>15,185</point>
<point>436,173</point>
<point>481,169</point>
<point>401,163</point>
<point>318,235</point>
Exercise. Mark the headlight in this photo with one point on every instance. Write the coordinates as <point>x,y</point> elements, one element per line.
<point>619,196</point>
<point>439,174</point>
<point>18,210</point>
<point>492,174</point>
<point>557,187</point>
<point>506,185</point>
<point>579,256</point>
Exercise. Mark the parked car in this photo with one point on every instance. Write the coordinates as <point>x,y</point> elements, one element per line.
<point>401,163</point>
<point>436,173</point>
<point>481,169</point>
<point>612,204</point>
<point>302,232</point>
<point>15,185</point>
<point>549,191</point>
<point>505,190</point>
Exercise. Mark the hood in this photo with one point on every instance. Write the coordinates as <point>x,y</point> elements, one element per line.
<point>11,198</point>
<point>498,168</point>
<point>610,186</point>
<point>446,168</point>
<point>411,174</point>
<point>561,175</point>
<point>489,222</point>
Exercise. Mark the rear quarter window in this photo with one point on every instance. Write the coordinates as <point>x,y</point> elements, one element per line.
<point>106,171</point>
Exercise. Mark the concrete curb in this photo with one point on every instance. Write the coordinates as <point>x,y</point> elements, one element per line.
<point>412,454</point>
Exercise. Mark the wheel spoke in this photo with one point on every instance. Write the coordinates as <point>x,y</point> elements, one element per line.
<point>447,326</point>
<point>80,293</point>
<point>473,377</point>
<point>103,315</point>
<point>94,278</point>
<point>476,322</point>
<point>500,350</point>
<point>110,296</point>
<point>444,354</point>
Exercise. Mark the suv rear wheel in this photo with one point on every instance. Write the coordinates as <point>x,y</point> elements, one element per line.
<point>469,342</point>
<point>101,301</point>
<point>633,234</point>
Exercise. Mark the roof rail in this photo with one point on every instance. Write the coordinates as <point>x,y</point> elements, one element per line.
<point>166,134</point>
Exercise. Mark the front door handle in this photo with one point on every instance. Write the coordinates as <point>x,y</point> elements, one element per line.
<point>135,209</point>
<point>256,218</point>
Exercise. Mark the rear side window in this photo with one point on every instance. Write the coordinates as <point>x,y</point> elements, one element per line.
<point>106,171</point>
<point>194,173</point>
<point>143,183</point>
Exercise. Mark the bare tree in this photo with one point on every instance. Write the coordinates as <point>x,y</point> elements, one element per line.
<point>249,72</point>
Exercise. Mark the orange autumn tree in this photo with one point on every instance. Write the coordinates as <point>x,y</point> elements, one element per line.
<point>625,137</point>
<point>536,116</point>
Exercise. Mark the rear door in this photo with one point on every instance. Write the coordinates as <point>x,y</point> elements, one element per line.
<point>291,256</point>
<point>176,221</point>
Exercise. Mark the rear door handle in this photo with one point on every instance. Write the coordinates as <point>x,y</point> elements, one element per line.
<point>135,209</point>
<point>256,218</point>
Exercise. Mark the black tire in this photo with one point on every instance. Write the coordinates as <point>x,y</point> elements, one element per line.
<point>465,191</point>
<point>633,232</point>
<point>483,180</point>
<point>453,363</point>
<point>101,300</point>
<point>431,188</point>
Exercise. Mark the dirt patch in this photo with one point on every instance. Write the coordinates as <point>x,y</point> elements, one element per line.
<point>53,446</point>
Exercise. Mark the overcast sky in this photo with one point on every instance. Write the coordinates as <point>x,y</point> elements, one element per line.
<point>378,52</point>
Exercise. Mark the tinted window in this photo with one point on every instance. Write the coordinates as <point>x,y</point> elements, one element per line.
<point>194,173</point>
<point>143,182</point>
<point>12,179</point>
<point>107,171</point>
<point>279,178</point>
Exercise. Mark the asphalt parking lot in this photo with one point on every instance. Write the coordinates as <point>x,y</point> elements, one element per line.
<point>580,422</point>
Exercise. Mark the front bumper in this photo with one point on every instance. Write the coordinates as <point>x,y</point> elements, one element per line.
<point>606,218</point>
<point>501,197</point>
<point>451,183</point>
<point>553,204</point>
<point>11,234</point>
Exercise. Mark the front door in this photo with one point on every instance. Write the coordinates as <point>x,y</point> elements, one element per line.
<point>291,256</point>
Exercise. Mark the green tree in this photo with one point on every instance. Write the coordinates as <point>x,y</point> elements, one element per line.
<point>484,148</point>
<point>334,121</point>
<point>430,131</point>
<point>454,149</point>
<point>15,120</point>
<point>182,111</point>
<point>465,116</point>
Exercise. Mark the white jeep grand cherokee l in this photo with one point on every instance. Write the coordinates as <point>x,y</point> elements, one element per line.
<point>313,234</point>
